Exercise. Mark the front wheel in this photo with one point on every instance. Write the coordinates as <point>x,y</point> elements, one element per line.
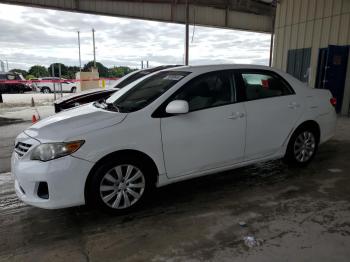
<point>73,90</point>
<point>302,147</point>
<point>120,186</point>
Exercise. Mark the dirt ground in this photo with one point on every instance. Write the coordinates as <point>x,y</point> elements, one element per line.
<point>294,214</point>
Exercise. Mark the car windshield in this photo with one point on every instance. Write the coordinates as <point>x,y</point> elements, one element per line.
<point>144,92</point>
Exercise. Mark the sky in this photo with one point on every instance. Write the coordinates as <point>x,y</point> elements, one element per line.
<point>30,36</point>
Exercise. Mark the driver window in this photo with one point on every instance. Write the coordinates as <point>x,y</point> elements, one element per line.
<point>208,90</point>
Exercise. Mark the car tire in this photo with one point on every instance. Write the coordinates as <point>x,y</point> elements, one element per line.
<point>46,90</point>
<point>110,189</point>
<point>302,147</point>
<point>73,90</point>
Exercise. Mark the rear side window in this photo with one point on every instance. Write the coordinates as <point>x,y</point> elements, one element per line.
<point>264,85</point>
<point>11,77</point>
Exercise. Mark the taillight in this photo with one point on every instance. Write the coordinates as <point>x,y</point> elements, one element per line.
<point>333,101</point>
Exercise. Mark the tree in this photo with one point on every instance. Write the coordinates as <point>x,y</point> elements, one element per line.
<point>29,77</point>
<point>72,70</point>
<point>24,73</point>
<point>64,69</point>
<point>119,71</point>
<point>103,71</point>
<point>38,71</point>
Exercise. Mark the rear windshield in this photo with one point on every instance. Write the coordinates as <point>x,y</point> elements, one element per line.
<point>132,78</point>
<point>146,91</point>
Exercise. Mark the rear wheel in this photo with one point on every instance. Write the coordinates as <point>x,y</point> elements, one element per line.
<point>120,186</point>
<point>302,147</point>
<point>45,90</point>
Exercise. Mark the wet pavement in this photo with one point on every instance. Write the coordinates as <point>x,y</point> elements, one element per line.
<point>294,214</point>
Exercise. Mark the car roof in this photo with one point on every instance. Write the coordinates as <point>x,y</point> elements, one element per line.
<point>215,67</point>
<point>155,69</point>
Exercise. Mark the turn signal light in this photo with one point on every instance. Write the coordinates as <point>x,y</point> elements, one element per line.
<point>333,101</point>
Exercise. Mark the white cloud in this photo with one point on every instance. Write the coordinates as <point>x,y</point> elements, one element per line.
<point>31,36</point>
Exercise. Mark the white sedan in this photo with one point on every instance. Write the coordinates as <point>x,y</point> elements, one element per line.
<point>53,84</point>
<point>172,125</point>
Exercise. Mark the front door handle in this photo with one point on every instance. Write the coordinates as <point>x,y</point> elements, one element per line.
<point>236,115</point>
<point>293,105</point>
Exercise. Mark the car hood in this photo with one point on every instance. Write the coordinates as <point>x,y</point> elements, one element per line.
<point>84,93</point>
<point>72,123</point>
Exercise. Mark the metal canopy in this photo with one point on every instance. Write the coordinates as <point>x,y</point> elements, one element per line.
<point>250,15</point>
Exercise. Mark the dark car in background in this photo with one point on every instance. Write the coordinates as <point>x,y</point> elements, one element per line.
<point>11,83</point>
<point>98,94</point>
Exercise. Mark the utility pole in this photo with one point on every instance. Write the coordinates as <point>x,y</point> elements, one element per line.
<point>79,51</point>
<point>93,42</point>
<point>141,64</point>
<point>54,85</point>
<point>7,65</point>
<point>147,64</point>
<point>187,37</point>
<point>59,75</point>
<point>1,69</point>
<point>2,66</point>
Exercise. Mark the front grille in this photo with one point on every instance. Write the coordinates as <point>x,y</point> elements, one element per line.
<point>22,148</point>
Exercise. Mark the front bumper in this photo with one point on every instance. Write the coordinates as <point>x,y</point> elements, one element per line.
<point>65,178</point>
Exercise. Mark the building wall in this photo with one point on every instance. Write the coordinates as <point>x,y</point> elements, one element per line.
<point>311,24</point>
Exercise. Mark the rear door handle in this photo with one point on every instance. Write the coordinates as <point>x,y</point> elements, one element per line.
<point>236,115</point>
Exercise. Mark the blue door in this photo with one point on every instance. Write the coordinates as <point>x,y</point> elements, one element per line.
<point>334,64</point>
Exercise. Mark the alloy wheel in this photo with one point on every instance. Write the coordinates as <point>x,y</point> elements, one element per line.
<point>122,186</point>
<point>304,146</point>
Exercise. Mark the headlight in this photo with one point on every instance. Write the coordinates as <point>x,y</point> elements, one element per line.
<point>49,151</point>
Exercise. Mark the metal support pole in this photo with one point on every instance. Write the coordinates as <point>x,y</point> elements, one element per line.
<point>271,50</point>
<point>93,42</point>
<point>271,47</point>
<point>147,64</point>
<point>54,85</point>
<point>187,37</point>
<point>141,64</point>
<point>59,75</point>
<point>1,69</point>
<point>79,51</point>
<point>273,5</point>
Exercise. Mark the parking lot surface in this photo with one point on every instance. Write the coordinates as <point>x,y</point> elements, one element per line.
<point>293,214</point>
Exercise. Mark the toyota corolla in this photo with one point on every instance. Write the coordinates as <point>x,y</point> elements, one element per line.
<point>173,125</point>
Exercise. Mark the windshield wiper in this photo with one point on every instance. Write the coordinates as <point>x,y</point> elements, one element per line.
<point>107,106</point>
<point>111,106</point>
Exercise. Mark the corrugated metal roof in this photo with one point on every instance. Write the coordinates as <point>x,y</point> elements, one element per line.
<point>251,15</point>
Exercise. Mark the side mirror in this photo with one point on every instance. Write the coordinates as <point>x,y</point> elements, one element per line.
<point>177,107</point>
